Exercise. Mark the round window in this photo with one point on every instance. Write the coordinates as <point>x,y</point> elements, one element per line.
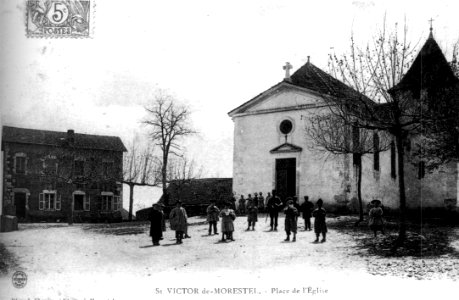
<point>286,126</point>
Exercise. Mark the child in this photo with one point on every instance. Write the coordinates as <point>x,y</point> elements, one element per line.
<point>376,221</point>
<point>291,217</point>
<point>212,216</point>
<point>252,215</point>
<point>319,221</point>
<point>228,216</point>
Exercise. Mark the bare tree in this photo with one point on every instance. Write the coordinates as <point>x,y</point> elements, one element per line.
<point>372,72</point>
<point>331,134</point>
<point>182,171</point>
<point>141,168</point>
<point>377,72</point>
<point>169,123</point>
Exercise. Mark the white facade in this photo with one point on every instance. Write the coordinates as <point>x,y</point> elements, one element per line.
<point>318,174</point>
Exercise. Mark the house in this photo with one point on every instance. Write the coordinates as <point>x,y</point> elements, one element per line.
<point>284,159</point>
<point>60,176</point>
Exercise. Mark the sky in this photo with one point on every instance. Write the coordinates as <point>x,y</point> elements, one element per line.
<point>211,55</point>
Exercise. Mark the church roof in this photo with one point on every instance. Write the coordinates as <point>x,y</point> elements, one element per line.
<point>313,79</point>
<point>55,138</point>
<point>430,70</point>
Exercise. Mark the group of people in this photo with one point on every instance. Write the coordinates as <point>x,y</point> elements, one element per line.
<point>244,204</point>
<point>178,217</point>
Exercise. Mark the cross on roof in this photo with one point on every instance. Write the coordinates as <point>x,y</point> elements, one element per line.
<point>431,22</point>
<point>287,69</point>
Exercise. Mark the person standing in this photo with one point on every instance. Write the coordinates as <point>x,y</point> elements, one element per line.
<point>320,227</point>
<point>291,219</point>
<point>252,215</point>
<point>228,216</point>
<point>178,219</point>
<point>255,199</point>
<point>163,223</point>
<point>261,202</point>
<point>307,207</point>
<point>241,207</point>
<point>233,201</point>
<point>212,216</point>
<point>274,205</point>
<point>375,215</point>
<point>156,218</point>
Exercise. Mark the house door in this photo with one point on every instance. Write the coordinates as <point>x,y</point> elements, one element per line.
<point>286,177</point>
<point>20,203</point>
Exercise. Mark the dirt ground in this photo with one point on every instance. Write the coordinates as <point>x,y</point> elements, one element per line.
<point>84,259</point>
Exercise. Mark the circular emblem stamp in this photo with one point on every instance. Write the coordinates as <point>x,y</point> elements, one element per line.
<point>19,279</point>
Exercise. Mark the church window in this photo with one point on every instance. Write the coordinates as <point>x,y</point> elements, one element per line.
<point>376,151</point>
<point>421,169</point>
<point>286,126</point>
<point>393,173</point>
<point>356,146</point>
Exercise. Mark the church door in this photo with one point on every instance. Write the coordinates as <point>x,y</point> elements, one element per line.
<point>286,177</point>
<point>20,203</point>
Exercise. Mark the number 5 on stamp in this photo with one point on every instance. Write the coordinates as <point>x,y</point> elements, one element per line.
<point>58,18</point>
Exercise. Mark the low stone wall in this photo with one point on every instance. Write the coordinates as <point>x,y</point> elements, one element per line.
<point>8,223</point>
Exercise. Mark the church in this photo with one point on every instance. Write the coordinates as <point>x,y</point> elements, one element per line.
<point>272,150</point>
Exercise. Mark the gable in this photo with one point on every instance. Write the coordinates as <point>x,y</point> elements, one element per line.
<point>286,148</point>
<point>281,97</point>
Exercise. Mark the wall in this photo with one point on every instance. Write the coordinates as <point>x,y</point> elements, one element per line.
<point>35,180</point>
<point>330,177</point>
<point>318,174</point>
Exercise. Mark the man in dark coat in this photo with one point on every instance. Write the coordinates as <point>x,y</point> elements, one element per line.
<point>156,218</point>
<point>274,205</point>
<point>307,207</point>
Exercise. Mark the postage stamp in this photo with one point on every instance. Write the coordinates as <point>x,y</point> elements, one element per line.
<point>19,279</point>
<point>58,18</point>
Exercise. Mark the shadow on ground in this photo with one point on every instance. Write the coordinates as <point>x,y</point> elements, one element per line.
<point>423,240</point>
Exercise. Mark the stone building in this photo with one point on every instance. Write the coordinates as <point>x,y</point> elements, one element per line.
<point>272,150</point>
<point>60,176</point>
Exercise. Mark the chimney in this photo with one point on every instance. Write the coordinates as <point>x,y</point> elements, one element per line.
<point>71,137</point>
<point>308,58</point>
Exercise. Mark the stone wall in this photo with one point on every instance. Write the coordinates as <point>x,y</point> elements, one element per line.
<point>36,179</point>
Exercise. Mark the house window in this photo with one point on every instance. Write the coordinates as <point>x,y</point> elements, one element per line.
<point>421,169</point>
<point>110,202</point>
<point>20,161</point>
<point>117,203</point>
<point>107,168</point>
<point>393,172</point>
<point>48,200</point>
<point>79,167</point>
<point>107,202</point>
<point>376,152</point>
<point>81,201</point>
<point>50,165</point>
